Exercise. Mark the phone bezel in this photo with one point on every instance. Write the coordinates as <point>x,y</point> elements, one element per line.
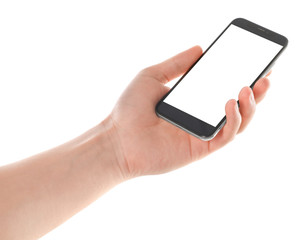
<point>195,126</point>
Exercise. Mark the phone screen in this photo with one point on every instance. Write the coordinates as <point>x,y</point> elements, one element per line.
<point>235,60</point>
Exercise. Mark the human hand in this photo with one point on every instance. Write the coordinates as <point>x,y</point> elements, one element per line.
<point>146,144</point>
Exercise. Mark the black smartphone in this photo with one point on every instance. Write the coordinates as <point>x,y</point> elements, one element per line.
<point>243,53</point>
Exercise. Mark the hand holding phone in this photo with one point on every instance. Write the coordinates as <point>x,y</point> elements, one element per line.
<point>242,54</point>
<point>146,144</point>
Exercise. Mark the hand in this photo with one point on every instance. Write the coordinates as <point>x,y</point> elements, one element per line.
<point>146,144</point>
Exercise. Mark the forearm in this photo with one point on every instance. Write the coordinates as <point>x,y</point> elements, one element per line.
<point>41,192</point>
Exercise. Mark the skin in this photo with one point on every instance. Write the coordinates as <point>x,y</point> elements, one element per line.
<point>39,193</point>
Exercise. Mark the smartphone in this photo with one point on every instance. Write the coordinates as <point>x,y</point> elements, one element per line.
<point>243,53</point>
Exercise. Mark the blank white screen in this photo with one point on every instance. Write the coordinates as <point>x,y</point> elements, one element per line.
<point>234,61</point>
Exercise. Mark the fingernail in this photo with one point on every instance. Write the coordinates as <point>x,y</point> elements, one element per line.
<point>236,106</point>
<point>251,97</point>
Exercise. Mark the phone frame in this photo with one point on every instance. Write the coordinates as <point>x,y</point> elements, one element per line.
<point>195,126</point>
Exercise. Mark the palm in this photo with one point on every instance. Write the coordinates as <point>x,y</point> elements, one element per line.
<point>150,144</point>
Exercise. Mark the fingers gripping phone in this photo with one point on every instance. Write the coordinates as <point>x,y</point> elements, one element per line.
<point>243,53</point>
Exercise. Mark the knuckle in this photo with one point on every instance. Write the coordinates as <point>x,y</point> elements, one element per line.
<point>154,73</point>
<point>146,71</point>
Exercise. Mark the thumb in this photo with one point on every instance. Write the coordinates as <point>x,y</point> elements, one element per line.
<point>174,66</point>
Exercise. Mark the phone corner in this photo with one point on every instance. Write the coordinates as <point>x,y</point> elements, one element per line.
<point>239,19</point>
<point>286,41</point>
<point>213,135</point>
<point>205,139</point>
<point>156,109</point>
<point>209,138</point>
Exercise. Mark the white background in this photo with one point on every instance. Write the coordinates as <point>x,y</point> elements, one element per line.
<point>64,63</point>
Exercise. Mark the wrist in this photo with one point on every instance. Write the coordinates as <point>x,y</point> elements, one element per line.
<point>111,150</point>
